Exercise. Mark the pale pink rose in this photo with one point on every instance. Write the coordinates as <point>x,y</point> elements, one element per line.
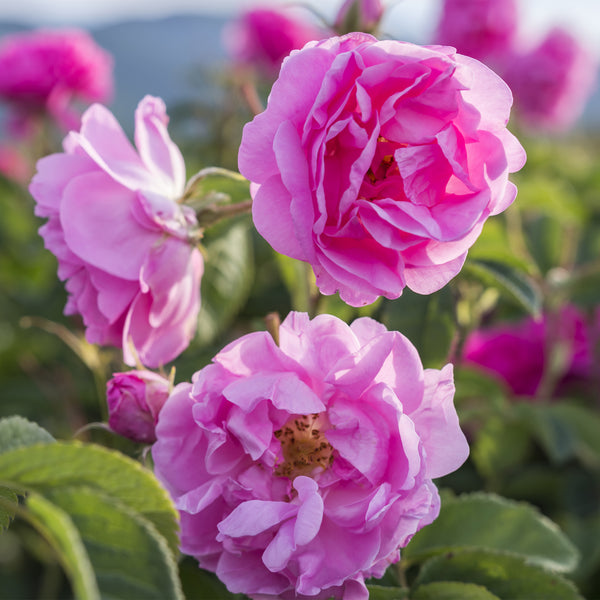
<point>44,71</point>
<point>483,29</point>
<point>552,82</point>
<point>124,244</point>
<point>281,457</point>
<point>517,353</point>
<point>134,400</point>
<point>359,15</point>
<point>263,37</point>
<point>378,163</point>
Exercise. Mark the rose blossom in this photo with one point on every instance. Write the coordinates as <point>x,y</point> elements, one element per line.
<point>124,245</point>
<point>44,71</point>
<point>552,82</point>
<point>359,15</point>
<point>134,400</point>
<point>483,29</point>
<point>518,352</point>
<point>263,37</point>
<point>281,457</point>
<point>378,163</point>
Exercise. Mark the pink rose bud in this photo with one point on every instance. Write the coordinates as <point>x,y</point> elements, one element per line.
<point>263,37</point>
<point>134,401</point>
<point>483,29</point>
<point>44,71</point>
<point>378,162</point>
<point>359,15</point>
<point>300,469</point>
<point>125,245</point>
<point>552,82</point>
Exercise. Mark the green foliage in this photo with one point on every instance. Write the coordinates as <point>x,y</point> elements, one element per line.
<point>112,525</point>
<point>228,275</point>
<point>565,431</point>
<point>492,523</point>
<point>514,283</point>
<point>452,590</point>
<point>17,432</point>
<point>427,321</point>
<point>503,575</point>
<point>379,592</point>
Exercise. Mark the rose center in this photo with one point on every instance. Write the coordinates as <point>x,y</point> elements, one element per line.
<point>304,447</point>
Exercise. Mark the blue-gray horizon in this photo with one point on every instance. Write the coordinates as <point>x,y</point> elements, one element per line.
<point>580,16</point>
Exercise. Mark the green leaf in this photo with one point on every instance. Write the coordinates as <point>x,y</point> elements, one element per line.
<point>380,592</point>
<point>452,590</point>
<point>489,522</point>
<point>8,507</point>
<point>564,430</point>
<point>508,577</point>
<point>427,321</point>
<point>513,283</point>
<point>228,275</point>
<point>16,432</point>
<point>129,557</point>
<point>58,529</point>
<point>501,444</point>
<point>52,467</point>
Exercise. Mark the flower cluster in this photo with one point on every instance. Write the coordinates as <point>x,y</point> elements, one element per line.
<point>45,71</point>
<point>551,81</point>
<point>280,457</point>
<point>124,244</point>
<point>378,162</point>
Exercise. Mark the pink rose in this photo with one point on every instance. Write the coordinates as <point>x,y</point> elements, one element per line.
<point>280,457</point>
<point>378,163</point>
<point>45,71</point>
<point>518,352</point>
<point>134,400</point>
<point>359,15</point>
<point>552,82</point>
<point>124,244</point>
<point>263,37</point>
<point>483,29</point>
<point>13,165</point>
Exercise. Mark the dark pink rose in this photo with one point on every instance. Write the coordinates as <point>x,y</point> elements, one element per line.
<point>552,82</point>
<point>483,29</point>
<point>378,163</point>
<point>359,15</point>
<point>45,71</point>
<point>518,352</point>
<point>263,37</point>
<point>125,244</point>
<point>299,470</point>
<point>134,400</point>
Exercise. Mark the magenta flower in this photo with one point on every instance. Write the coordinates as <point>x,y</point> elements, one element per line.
<point>483,29</point>
<point>124,244</point>
<point>45,71</point>
<point>552,82</point>
<point>517,353</point>
<point>134,400</point>
<point>379,162</point>
<point>263,37</point>
<point>279,458</point>
<point>359,15</point>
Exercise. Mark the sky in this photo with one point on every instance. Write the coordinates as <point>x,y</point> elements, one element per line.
<point>581,16</point>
